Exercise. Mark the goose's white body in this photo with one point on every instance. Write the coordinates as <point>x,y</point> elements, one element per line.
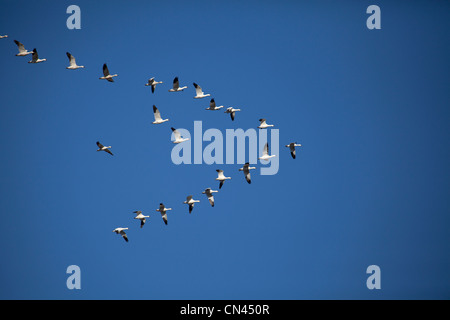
<point>121,231</point>
<point>107,75</point>
<point>104,148</point>
<point>157,115</point>
<point>141,217</point>
<point>263,124</point>
<point>221,177</point>
<point>5,36</point>
<point>292,146</point>
<point>35,57</point>
<point>232,112</point>
<point>212,105</point>
<point>177,136</point>
<point>246,168</point>
<point>209,193</point>
<point>151,82</point>
<point>73,64</point>
<point>265,155</point>
<point>163,210</point>
<point>22,51</point>
<point>199,93</point>
<point>190,201</point>
<point>176,86</point>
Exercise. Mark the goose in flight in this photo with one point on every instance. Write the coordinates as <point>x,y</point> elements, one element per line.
<point>103,148</point>
<point>162,209</point>
<point>190,202</point>
<point>157,116</point>
<point>5,36</point>
<point>212,105</point>
<point>141,217</point>
<point>266,155</point>
<point>151,82</point>
<point>73,64</point>
<point>263,124</point>
<point>231,111</point>
<point>177,136</point>
<point>292,146</point>
<point>246,168</point>
<point>35,57</point>
<point>221,177</point>
<point>107,75</point>
<point>209,194</point>
<point>176,86</point>
<point>199,93</point>
<point>121,232</point>
<point>22,51</point>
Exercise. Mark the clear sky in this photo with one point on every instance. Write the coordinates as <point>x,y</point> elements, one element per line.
<point>370,184</point>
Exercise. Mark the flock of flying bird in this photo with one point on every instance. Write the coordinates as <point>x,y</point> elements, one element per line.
<point>177,136</point>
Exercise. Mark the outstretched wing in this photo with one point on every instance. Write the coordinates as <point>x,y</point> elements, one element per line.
<point>156,113</point>
<point>99,144</point>
<point>266,149</point>
<point>34,55</point>
<point>198,89</point>
<point>176,133</point>
<point>164,216</point>
<point>176,83</point>
<point>212,104</point>
<point>107,150</point>
<point>232,115</point>
<point>71,59</point>
<point>191,206</point>
<point>20,46</point>
<point>221,184</point>
<point>211,199</point>
<point>106,71</point>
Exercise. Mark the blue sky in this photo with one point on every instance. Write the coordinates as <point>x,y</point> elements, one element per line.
<point>370,184</point>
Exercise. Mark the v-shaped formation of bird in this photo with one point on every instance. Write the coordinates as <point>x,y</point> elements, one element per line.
<point>199,94</point>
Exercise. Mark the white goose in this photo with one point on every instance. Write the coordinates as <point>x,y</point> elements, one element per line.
<point>232,111</point>
<point>35,57</point>
<point>292,146</point>
<point>266,155</point>
<point>73,63</point>
<point>177,136</point>
<point>263,124</point>
<point>151,82</point>
<point>162,209</point>
<point>190,202</point>
<point>221,177</point>
<point>212,105</point>
<point>176,86</point>
<point>209,193</point>
<point>121,232</point>
<point>157,115</point>
<point>199,93</point>
<point>107,75</point>
<point>246,168</point>
<point>141,217</point>
<point>103,148</point>
<point>5,36</point>
<point>22,51</point>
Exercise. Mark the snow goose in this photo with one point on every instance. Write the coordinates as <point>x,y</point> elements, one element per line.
<point>5,36</point>
<point>232,111</point>
<point>212,105</point>
<point>73,64</point>
<point>22,51</point>
<point>162,209</point>
<point>107,75</point>
<point>292,146</point>
<point>157,116</point>
<point>141,217</point>
<point>151,82</point>
<point>246,168</point>
<point>263,124</point>
<point>266,155</point>
<point>121,232</point>
<point>177,136</point>
<point>103,148</point>
<point>190,202</point>
<point>176,86</point>
<point>199,93</point>
<point>35,57</point>
<point>221,177</point>
<point>209,194</point>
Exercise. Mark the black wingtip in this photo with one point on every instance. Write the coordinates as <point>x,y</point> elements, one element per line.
<point>154,108</point>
